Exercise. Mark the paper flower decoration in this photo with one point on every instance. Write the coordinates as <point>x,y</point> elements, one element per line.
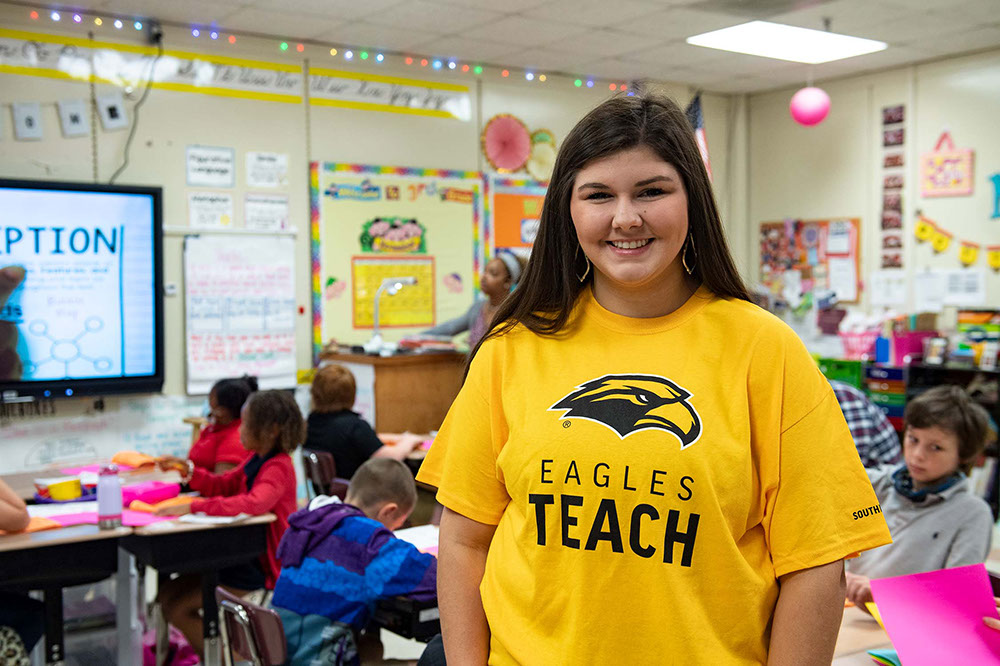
<point>543,159</point>
<point>506,143</point>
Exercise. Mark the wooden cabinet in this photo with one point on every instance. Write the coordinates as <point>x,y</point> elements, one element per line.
<point>412,391</point>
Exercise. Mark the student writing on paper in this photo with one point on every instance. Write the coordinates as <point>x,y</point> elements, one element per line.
<point>270,430</point>
<point>338,559</point>
<point>935,519</point>
<point>22,619</point>
<point>642,465</point>
<point>334,427</point>
<point>218,447</point>
<point>499,277</point>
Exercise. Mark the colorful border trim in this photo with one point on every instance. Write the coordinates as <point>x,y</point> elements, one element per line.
<point>479,204</point>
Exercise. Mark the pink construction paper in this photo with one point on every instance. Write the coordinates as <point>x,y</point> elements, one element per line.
<point>936,617</point>
<point>150,492</point>
<point>82,518</point>
<point>139,519</point>
<point>75,471</point>
<point>129,518</point>
<point>426,445</point>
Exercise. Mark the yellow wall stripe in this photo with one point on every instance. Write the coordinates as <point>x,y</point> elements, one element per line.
<point>356,76</point>
<point>368,106</point>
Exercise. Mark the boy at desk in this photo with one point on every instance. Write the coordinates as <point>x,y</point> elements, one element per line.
<point>338,559</point>
<point>935,519</point>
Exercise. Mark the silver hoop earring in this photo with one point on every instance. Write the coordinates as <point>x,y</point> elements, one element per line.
<point>583,277</point>
<point>689,269</point>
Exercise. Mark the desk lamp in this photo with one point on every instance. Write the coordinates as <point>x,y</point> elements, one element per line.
<point>391,286</point>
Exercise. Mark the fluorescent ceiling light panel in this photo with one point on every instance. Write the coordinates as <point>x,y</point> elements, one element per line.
<point>786,42</point>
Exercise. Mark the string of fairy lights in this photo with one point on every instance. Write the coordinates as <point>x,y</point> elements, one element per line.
<point>350,54</point>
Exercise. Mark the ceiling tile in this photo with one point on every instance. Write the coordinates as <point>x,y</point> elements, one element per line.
<point>183,11</point>
<point>360,33</point>
<point>445,19</point>
<point>970,40</point>
<point>613,68</point>
<point>463,48</point>
<point>342,10</point>
<point>675,53</point>
<point>603,42</point>
<point>590,12</point>
<point>543,59</point>
<point>294,26</point>
<point>520,31</point>
<point>507,6</point>
<point>846,16</point>
<point>679,23</point>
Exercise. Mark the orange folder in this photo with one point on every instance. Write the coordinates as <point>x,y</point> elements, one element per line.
<point>36,524</point>
<point>139,505</point>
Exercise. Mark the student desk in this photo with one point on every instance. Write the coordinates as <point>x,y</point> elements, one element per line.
<point>412,391</point>
<point>54,559</point>
<point>187,548</point>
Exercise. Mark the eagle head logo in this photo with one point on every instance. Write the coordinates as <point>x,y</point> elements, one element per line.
<point>630,403</point>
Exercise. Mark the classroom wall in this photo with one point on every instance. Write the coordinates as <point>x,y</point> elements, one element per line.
<point>170,121</point>
<point>835,169</point>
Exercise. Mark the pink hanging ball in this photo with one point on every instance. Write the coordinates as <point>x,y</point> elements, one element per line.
<point>809,106</point>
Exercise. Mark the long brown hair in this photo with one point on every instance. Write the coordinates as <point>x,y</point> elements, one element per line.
<point>548,289</point>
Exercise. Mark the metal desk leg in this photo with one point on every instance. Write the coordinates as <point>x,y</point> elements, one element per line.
<point>210,618</point>
<point>54,648</point>
<point>129,627</point>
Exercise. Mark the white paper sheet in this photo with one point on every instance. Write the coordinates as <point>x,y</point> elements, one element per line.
<point>964,286</point>
<point>843,278</point>
<point>928,291</point>
<point>210,210</point>
<point>887,288</point>
<point>267,169</point>
<point>266,212</point>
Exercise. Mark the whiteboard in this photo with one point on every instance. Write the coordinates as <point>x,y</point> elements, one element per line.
<point>239,310</point>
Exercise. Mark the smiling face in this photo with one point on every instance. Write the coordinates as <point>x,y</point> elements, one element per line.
<point>630,212</point>
<point>931,455</point>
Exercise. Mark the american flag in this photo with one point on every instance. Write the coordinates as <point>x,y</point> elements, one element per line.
<point>697,121</point>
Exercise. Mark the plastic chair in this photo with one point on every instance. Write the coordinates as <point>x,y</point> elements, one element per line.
<point>249,630</point>
<point>321,470</point>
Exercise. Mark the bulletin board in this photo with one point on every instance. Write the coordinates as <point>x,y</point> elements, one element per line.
<point>369,221</point>
<point>514,212</point>
<point>812,254</point>
<point>239,310</point>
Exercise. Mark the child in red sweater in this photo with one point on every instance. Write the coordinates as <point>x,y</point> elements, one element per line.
<point>271,428</point>
<point>218,448</point>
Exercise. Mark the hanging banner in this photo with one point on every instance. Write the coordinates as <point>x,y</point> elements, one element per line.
<point>372,92</point>
<point>60,57</point>
<point>946,171</point>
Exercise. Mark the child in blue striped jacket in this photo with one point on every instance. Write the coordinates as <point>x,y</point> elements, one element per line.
<point>338,559</point>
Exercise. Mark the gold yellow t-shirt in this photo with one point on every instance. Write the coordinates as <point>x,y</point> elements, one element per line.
<point>650,480</point>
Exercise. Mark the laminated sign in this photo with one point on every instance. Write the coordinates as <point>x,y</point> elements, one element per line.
<point>946,171</point>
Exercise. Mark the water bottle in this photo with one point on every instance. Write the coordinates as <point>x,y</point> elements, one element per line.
<point>109,497</point>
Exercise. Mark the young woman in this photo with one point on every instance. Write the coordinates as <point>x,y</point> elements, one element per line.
<point>642,465</point>
<point>501,274</point>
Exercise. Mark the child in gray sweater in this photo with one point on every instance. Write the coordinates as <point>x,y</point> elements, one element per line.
<point>935,520</point>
